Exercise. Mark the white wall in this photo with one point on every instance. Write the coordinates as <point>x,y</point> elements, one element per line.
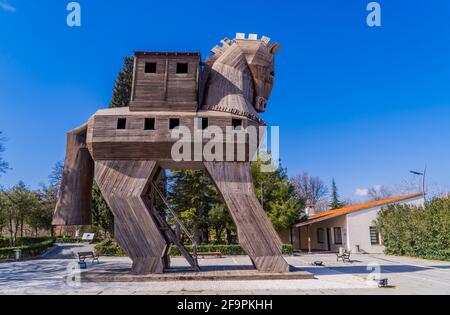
<point>331,223</point>
<point>359,223</point>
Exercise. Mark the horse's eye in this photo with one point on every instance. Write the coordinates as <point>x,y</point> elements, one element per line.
<point>272,74</point>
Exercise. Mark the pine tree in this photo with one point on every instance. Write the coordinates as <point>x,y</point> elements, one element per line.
<point>102,215</point>
<point>335,203</point>
<point>122,87</point>
<point>192,195</point>
<point>277,196</point>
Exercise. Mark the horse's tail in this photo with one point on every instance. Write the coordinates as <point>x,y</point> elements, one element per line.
<point>74,203</point>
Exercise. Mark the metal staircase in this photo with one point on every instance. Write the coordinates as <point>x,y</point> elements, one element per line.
<point>171,236</point>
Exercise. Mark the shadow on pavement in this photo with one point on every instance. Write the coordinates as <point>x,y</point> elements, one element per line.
<point>385,269</point>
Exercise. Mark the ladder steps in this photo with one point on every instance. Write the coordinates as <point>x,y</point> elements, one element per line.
<point>168,232</point>
<point>192,260</point>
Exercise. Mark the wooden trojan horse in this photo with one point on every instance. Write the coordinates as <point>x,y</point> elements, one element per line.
<point>129,147</point>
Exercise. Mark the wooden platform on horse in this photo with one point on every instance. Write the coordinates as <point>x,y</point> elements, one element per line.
<point>125,275</point>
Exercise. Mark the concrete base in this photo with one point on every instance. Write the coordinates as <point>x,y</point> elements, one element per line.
<point>182,274</point>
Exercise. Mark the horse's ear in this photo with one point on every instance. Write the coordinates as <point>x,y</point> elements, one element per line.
<point>275,48</point>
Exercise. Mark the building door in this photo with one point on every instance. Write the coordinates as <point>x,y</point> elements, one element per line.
<point>328,239</point>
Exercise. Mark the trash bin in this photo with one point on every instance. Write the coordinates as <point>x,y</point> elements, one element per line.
<point>17,254</point>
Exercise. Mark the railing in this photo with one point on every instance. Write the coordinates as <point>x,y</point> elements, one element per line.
<point>179,222</point>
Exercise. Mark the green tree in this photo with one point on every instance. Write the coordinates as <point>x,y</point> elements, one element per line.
<point>22,203</point>
<point>41,216</point>
<point>417,231</point>
<point>122,87</point>
<point>192,195</point>
<point>335,202</point>
<point>220,220</point>
<point>277,196</point>
<point>4,207</point>
<point>3,164</point>
<point>102,216</point>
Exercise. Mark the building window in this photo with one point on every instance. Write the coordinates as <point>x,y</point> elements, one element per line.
<point>149,124</point>
<point>205,123</point>
<point>320,236</point>
<point>337,235</point>
<point>374,236</point>
<point>236,123</point>
<point>150,67</point>
<point>174,123</point>
<point>122,123</point>
<point>182,68</point>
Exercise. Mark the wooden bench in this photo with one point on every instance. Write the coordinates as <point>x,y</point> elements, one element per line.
<point>82,256</point>
<point>345,256</point>
<point>383,283</point>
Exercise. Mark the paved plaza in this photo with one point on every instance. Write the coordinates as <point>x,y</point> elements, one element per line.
<point>56,273</point>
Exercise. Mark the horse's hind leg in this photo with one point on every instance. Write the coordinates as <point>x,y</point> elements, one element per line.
<point>256,234</point>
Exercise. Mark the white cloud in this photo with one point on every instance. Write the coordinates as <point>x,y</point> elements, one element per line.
<point>362,192</point>
<point>7,7</point>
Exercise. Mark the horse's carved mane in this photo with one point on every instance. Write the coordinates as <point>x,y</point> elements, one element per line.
<point>227,82</point>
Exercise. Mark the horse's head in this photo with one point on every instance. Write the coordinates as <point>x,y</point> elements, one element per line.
<point>260,58</point>
<point>259,55</point>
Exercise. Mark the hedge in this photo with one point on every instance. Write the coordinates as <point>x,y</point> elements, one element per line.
<point>31,250</point>
<point>4,242</point>
<point>228,250</point>
<point>110,248</point>
<point>417,232</point>
<point>22,241</point>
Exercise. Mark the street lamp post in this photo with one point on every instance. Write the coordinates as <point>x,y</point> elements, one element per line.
<point>423,174</point>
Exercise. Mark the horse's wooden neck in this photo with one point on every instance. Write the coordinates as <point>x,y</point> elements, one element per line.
<point>230,84</point>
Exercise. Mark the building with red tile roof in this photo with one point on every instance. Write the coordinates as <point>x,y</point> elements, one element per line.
<point>351,227</point>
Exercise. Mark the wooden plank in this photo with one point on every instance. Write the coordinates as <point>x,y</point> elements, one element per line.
<point>166,89</point>
<point>256,234</point>
<point>123,185</point>
<point>74,204</point>
<point>237,82</point>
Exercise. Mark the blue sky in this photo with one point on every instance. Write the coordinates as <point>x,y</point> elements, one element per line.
<point>363,105</point>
